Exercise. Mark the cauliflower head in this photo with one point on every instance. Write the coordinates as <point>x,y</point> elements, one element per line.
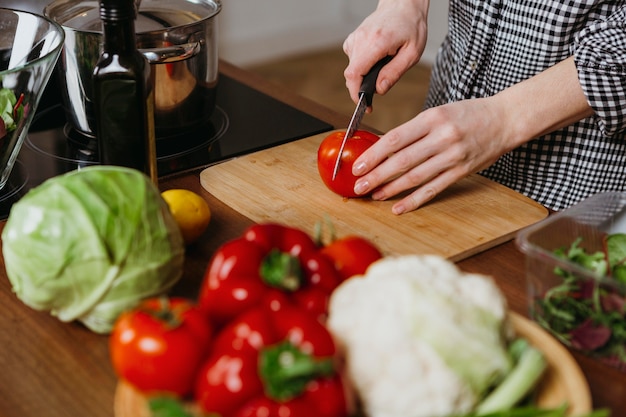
<point>420,338</point>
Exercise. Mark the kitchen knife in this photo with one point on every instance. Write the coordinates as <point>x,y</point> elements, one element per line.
<point>366,94</point>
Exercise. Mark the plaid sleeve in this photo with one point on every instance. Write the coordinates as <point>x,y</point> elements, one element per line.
<point>600,56</point>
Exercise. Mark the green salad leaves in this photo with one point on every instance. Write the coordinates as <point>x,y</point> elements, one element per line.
<point>588,314</point>
<point>10,111</point>
<point>91,243</point>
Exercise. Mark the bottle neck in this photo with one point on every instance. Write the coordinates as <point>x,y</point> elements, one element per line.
<point>118,21</point>
<point>119,36</point>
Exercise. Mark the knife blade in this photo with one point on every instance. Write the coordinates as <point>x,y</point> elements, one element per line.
<point>366,95</point>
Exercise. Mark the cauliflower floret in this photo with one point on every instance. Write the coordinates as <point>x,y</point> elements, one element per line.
<point>420,338</point>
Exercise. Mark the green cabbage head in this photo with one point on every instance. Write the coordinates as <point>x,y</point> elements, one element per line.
<point>90,244</point>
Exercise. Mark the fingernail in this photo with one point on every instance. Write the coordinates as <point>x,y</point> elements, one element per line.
<point>398,209</point>
<point>359,168</point>
<point>361,187</point>
<point>384,86</point>
<point>378,195</point>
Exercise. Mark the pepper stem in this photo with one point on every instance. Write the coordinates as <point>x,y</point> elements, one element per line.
<point>318,232</point>
<point>285,370</point>
<point>281,270</point>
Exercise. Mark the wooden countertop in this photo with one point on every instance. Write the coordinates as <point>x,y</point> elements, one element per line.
<point>52,369</point>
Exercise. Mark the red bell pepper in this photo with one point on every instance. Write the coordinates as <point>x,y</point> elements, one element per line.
<point>270,264</point>
<point>273,364</point>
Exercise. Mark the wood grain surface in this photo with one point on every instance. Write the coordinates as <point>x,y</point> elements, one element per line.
<point>282,184</point>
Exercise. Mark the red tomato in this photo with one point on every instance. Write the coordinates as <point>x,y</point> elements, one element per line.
<point>159,346</point>
<point>327,155</point>
<point>351,255</point>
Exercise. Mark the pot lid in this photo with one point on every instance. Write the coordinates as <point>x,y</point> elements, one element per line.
<point>154,15</point>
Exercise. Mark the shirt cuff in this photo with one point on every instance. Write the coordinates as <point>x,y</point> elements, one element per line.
<point>600,56</point>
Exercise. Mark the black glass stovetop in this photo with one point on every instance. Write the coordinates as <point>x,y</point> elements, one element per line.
<point>245,120</point>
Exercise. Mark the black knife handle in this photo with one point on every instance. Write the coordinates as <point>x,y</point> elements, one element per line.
<point>368,86</point>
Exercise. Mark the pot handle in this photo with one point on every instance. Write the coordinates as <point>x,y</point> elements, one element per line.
<point>172,53</point>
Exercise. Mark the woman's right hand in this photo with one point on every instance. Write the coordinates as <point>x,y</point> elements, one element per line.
<point>398,28</point>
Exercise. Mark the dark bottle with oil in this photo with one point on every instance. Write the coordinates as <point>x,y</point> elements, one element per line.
<point>123,93</point>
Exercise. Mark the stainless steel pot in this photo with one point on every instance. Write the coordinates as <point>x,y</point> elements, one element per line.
<point>179,39</point>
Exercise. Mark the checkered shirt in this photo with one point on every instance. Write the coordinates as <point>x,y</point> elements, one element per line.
<point>492,45</point>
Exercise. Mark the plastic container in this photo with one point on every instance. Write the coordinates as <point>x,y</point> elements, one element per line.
<point>583,309</point>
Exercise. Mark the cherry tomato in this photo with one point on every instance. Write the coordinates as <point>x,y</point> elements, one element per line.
<point>352,255</point>
<point>343,184</point>
<point>159,345</point>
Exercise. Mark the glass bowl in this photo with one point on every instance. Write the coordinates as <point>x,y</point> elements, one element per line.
<point>29,48</point>
<point>573,291</point>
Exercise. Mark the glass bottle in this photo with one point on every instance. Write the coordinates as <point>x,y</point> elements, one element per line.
<point>123,93</point>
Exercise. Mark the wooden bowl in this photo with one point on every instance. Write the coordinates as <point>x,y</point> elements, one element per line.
<point>563,380</point>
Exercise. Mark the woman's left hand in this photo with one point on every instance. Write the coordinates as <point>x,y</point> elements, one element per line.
<point>444,144</point>
<point>432,151</point>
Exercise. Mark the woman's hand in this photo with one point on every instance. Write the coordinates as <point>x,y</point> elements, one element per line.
<point>397,28</point>
<point>433,151</point>
<point>444,144</point>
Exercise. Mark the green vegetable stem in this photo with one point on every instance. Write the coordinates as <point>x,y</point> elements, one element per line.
<point>529,366</point>
<point>504,400</point>
<point>167,407</point>
<point>530,411</point>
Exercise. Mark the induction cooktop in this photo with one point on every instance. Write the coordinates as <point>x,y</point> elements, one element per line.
<point>245,120</point>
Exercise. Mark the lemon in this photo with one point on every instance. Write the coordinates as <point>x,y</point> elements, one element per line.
<point>190,211</point>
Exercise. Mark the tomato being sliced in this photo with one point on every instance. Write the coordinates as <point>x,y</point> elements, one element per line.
<point>343,184</point>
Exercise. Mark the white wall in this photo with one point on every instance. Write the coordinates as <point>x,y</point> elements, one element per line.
<point>437,28</point>
<point>252,32</point>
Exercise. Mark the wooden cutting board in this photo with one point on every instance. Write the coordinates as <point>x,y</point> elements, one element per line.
<point>282,184</point>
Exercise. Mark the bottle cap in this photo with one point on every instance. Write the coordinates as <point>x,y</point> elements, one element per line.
<point>113,10</point>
